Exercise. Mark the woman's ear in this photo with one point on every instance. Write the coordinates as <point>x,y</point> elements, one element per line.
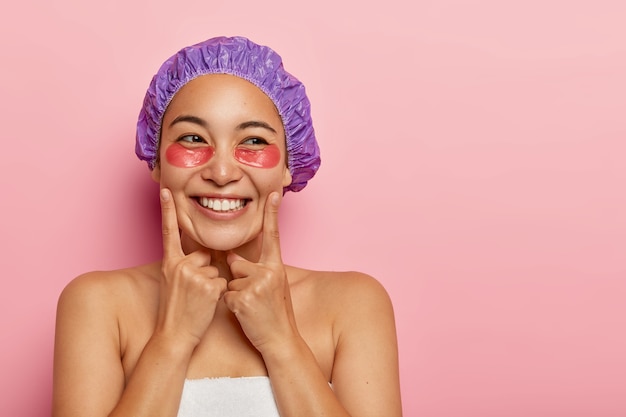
<point>156,174</point>
<point>287,177</point>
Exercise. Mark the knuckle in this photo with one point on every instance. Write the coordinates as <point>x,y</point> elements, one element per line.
<point>235,264</point>
<point>210,290</point>
<point>179,273</point>
<point>222,283</point>
<point>214,287</point>
<point>184,269</point>
<point>266,276</point>
<point>247,298</point>
<point>212,271</point>
<point>233,301</point>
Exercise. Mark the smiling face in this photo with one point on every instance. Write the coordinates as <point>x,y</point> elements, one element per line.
<point>222,152</point>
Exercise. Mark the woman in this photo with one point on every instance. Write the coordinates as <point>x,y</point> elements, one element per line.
<point>220,326</point>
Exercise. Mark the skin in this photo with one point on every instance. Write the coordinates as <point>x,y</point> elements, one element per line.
<point>221,302</point>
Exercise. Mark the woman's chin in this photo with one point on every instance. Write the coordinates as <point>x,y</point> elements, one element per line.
<point>224,243</point>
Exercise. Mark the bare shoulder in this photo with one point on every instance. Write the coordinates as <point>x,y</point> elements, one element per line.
<point>107,286</point>
<point>102,310</point>
<point>350,294</point>
<point>93,327</point>
<point>364,363</point>
<point>340,284</point>
<point>104,290</point>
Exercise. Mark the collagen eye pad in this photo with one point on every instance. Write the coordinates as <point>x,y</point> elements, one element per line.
<point>177,155</point>
<point>266,157</point>
<point>182,157</point>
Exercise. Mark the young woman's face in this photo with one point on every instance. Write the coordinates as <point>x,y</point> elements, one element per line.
<point>222,152</point>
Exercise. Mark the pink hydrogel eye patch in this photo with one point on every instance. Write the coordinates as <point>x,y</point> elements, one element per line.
<point>183,157</point>
<point>267,157</point>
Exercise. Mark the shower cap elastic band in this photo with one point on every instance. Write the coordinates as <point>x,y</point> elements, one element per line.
<point>243,58</point>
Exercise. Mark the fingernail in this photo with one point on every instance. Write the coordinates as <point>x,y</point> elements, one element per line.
<point>275,198</point>
<point>165,195</point>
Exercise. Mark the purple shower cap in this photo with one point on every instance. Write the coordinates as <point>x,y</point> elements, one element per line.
<point>243,58</point>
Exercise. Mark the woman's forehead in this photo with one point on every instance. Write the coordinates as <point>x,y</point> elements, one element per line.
<point>222,95</point>
<point>223,89</point>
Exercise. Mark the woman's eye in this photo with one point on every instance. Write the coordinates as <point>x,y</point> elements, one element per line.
<point>191,139</point>
<point>254,141</point>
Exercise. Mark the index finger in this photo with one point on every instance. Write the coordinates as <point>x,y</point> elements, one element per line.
<point>270,250</point>
<point>171,235</point>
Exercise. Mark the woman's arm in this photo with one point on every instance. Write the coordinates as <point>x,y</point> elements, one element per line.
<point>89,379</point>
<point>365,373</point>
<point>88,375</point>
<point>365,379</point>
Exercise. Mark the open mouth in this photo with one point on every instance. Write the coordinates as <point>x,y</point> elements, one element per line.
<point>222,204</point>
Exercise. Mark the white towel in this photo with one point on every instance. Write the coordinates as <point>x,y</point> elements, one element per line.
<point>228,397</point>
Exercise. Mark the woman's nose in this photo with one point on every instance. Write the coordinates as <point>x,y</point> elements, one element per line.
<point>222,168</point>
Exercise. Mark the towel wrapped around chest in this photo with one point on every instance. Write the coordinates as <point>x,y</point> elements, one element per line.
<point>228,397</point>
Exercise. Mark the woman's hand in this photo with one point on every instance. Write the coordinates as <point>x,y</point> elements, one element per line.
<point>190,287</point>
<point>259,293</point>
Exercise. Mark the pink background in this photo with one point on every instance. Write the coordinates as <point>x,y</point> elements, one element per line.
<point>473,161</point>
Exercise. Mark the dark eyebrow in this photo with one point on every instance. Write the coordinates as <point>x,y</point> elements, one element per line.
<point>255,123</point>
<point>190,119</point>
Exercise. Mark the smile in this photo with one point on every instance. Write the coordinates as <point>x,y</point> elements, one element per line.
<point>222,204</point>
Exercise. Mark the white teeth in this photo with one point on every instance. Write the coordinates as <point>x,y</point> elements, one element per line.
<point>221,204</point>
